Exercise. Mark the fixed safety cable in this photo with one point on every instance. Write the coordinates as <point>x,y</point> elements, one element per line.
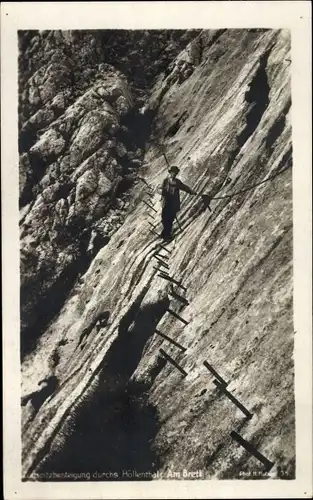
<point>251,187</point>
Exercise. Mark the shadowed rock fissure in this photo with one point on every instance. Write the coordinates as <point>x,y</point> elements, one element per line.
<point>116,424</point>
<point>51,300</point>
<point>109,399</point>
<point>37,398</point>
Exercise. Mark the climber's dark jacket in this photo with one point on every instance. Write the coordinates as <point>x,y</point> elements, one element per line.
<point>170,193</point>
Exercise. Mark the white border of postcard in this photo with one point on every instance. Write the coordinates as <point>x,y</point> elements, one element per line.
<point>293,15</point>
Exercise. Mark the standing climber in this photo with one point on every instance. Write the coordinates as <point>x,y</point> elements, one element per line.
<point>171,200</point>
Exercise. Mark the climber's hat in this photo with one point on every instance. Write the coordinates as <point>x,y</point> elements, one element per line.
<point>174,169</point>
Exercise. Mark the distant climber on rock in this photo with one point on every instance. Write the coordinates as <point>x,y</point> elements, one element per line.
<point>171,200</point>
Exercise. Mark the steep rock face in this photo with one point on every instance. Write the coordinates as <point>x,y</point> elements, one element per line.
<point>222,113</point>
<point>78,156</point>
<point>81,162</point>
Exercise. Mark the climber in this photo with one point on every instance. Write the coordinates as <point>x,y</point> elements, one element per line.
<point>171,200</point>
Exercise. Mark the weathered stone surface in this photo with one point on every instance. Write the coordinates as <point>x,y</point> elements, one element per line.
<point>227,126</point>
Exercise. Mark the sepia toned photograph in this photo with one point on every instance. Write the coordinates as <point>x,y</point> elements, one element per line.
<point>156,254</point>
<point>157,251</point>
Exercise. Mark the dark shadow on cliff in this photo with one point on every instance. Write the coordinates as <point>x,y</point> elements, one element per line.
<point>115,429</point>
<point>210,460</point>
<point>43,296</point>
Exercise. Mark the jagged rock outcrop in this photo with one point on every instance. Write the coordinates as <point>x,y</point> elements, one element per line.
<point>223,116</point>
